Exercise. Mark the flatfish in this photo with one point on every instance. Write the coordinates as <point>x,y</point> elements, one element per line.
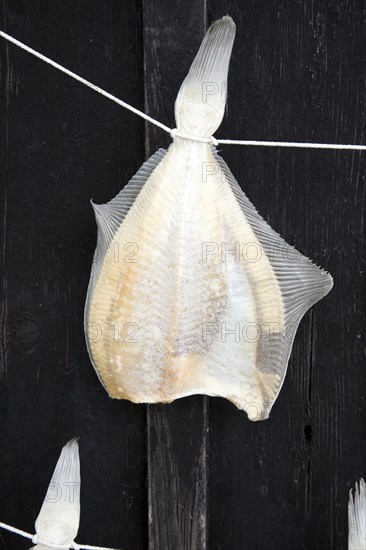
<point>191,291</point>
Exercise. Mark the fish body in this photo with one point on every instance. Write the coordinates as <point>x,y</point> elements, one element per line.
<point>191,291</point>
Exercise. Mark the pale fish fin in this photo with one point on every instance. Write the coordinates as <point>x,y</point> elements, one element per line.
<point>300,281</point>
<point>200,104</point>
<point>357,518</point>
<point>58,520</point>
<point>109,216</point>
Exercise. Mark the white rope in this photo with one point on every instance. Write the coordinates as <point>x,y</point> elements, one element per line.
<point>16,531</point>
<point>83,81</point>
<point>173,132</point>
<point>36,540</point>
<point>291,144</point>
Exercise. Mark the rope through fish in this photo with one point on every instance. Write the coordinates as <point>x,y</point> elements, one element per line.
<point>36,540</point>
<point>173,131</point>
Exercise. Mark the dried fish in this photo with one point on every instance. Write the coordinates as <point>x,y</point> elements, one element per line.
<point>58,520</point>
<point>191,291</point>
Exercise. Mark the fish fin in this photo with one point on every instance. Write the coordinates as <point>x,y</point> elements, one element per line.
<point>301,282</point>
<point>58,520</point>
<point>109,216</point>
<point>289,265</point>
<point>357,518</point>
<point>200,104</point>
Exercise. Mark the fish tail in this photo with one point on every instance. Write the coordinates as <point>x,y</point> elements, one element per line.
<point>200,104</point>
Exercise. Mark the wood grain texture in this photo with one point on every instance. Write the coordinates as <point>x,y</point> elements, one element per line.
<point>195,474</point>
<point>62,145</point>
<point>298,73</point>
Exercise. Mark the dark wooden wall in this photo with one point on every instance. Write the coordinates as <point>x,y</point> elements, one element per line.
<point>195,474</point>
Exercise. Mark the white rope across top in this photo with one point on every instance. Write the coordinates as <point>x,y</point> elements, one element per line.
<point>35,540</point>
<point>174,132</point>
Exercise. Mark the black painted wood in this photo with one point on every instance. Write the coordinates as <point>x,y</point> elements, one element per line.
<point>298,73</point>
<point>63,144</point>
<point>194,474</point>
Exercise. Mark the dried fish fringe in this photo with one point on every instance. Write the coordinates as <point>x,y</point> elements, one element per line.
<point>160,308</point>
<point>357,517</point>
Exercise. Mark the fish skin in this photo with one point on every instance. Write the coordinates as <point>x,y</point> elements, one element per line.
<point>184,314</point>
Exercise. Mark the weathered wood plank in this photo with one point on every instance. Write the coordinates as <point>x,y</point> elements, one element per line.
<point>61,145</point>
<point>177,433</point>
<point>298,74</point>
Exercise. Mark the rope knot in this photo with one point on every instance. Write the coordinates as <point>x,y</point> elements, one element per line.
<point>36,540</point>
<point>174,133</point>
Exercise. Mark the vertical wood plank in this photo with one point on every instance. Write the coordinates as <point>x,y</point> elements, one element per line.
<point>61,145</point>
<point>298,73</point>
<point>177,433</point>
